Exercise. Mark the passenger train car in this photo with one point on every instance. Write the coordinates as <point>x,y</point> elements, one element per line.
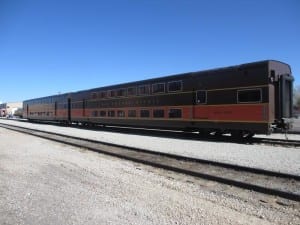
<point>242,100</point>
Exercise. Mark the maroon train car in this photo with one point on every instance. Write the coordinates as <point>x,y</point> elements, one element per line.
<point>247,99</point>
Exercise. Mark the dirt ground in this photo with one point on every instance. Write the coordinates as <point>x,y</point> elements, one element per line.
<point>43,182</point>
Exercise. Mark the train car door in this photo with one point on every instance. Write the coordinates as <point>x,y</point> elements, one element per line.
<point>284,100</point>
<point>286,92</point>
<point>83,107</point>
<point>55,109</point>
<point>69,110</point>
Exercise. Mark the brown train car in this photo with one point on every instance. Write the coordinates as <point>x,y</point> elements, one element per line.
<point>243,100</point>
<point>51,108</point>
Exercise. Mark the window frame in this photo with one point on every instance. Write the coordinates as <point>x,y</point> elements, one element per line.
<point>121,113</point>
<point>158,92</point>
<point>94,113</point>
<point>133,88</point>
<point>147,87</point>
<point>102,113</point>
<point>156,110</point>
<point>249,102</point>
<point>143,115</point>
<point>103,94</point>
<point>111,113</point>
<point>169,113</point>
<point>131,114</point>
<point>201,103</point>
<point>111,93</point>
<point>175,81</point>
<point>121,92</point>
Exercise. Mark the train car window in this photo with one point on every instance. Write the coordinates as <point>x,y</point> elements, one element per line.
<point>249,96</point>
<point>121,92</point>
<point>158,113</point>
<point>158,88</point>
<point>131,91</point>
<point>144,90</point>
<point>175,113</point>
<point>103,94</point>
<point>201,97</point>
<point>145,113</point>
<point>272,73</point>
<point>94,95</point>
<point>120,113</point>
<point>174,86</point>
<point>111,113</point>
<point>131,113</point>
<point>111,93</point>
<point>102,113</point>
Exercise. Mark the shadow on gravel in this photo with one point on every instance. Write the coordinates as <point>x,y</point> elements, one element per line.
<point>183,135</point>
<point>196,136</point>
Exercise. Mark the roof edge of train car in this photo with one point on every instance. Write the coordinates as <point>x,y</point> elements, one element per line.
<point>171,76</point>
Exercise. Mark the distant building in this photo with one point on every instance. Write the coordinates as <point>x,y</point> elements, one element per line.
<point>2,109</point>
<point>10,108</point>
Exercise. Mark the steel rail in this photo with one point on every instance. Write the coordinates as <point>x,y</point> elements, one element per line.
<point>281,142</point>
<point>183,135</point>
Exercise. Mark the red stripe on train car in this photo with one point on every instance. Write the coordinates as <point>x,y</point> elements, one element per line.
<point>253,112</point>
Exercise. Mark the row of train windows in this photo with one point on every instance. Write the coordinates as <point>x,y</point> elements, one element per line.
<point>144,113</point>
<point>41,113</point>
<point>243,96</point>
<point>47,100</point>
<point>158,88</point>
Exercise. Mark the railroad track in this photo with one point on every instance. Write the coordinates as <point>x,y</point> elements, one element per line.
<point>277,142</point>
<point>184,135</point>
<point>196,136</point>
<point>268,182</point>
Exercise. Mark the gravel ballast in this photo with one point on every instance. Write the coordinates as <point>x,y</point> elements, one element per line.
<point>43,182</point>
<point>274,158</point>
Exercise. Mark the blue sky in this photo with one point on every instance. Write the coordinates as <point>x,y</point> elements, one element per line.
<point>53,46</point>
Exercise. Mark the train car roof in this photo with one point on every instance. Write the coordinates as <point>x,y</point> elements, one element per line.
<point>176,76</point>
<point>156,79</point>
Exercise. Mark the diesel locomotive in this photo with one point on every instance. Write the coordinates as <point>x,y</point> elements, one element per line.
<point>242,100</point>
